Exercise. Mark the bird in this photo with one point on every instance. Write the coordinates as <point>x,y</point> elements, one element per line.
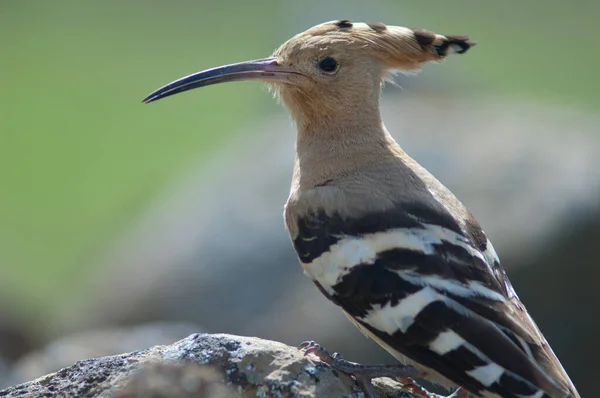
<point>379,235</point>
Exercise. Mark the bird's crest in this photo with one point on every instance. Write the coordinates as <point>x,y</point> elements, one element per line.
<point>397,47</point>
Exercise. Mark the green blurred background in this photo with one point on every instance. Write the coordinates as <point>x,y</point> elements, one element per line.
<point>80,156</point>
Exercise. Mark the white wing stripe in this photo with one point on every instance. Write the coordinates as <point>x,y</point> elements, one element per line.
<point>451,286</point>
<point>446,341</point>
<point>329,268</point>
<point>539,394</point>
<point>390,319</point>
<point>487,374</point>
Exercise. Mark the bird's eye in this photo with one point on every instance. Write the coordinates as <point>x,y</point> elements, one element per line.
<point>328,65</point>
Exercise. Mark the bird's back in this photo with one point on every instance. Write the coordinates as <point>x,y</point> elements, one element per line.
<point>386,241</point>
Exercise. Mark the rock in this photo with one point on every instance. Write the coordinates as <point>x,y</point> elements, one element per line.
<point>182,380</point>
<point>94,343</point>
<point>247,366</point>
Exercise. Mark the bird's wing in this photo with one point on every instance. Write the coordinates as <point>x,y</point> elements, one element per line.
<point>451,308</point>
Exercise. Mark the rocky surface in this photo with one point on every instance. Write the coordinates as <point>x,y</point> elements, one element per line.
<point>202,365</point>
<point>176,380</point>
<point>68,349</point>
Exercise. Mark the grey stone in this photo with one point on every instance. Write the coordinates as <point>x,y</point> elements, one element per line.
<point>249,367</point>
<point>176,380</point>
<point>68,349</point>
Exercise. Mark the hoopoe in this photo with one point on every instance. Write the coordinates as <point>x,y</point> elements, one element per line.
<point>381,237</point>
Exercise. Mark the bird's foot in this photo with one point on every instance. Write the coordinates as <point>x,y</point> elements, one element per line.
<point>355,369</point>
<point>363,373</point>
<point>410,385</point>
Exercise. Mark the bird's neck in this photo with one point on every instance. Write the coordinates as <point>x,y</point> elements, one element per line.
<point>329,148</point>
<point>333,114</point>
<point>342,126</point>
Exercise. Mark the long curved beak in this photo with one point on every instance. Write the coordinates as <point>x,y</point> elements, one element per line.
<point>266,69</point>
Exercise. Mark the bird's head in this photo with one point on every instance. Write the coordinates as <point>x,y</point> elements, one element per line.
<point>333,67</point>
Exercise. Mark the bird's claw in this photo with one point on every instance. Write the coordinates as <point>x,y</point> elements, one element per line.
<point>363,374</point>
<point>311,347</point>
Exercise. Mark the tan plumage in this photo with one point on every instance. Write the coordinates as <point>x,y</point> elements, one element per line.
<point>377,233</point>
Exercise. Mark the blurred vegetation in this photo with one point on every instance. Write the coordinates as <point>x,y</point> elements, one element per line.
<point>80,156</point>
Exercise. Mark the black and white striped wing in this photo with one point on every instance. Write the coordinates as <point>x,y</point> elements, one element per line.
<point>429,292</point>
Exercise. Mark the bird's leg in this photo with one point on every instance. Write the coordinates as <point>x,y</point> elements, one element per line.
<point>362,373</point>
<point>355,369</point>
<point>416,389</point>
<point>365,373</point>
